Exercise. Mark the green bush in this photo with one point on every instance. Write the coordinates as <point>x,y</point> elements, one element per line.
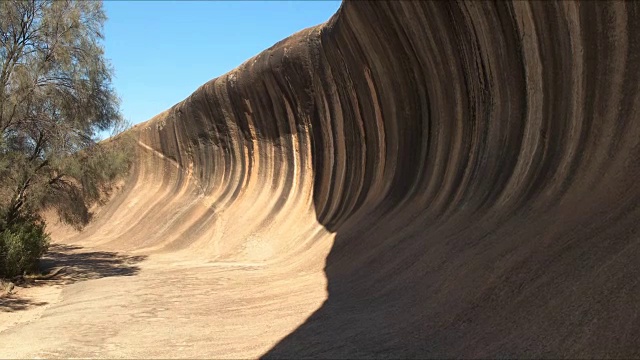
<point>22,244</point>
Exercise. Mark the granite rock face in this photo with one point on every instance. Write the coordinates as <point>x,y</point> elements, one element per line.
<point>476,164</point>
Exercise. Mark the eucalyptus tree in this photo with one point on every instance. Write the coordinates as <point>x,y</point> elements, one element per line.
<point>56,99</point>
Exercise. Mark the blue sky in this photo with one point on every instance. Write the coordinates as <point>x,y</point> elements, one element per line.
<point>163,51</point>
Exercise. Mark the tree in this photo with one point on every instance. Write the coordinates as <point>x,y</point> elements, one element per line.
<point>56,97</point>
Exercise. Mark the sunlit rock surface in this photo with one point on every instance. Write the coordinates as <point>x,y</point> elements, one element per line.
<point>466,175</point>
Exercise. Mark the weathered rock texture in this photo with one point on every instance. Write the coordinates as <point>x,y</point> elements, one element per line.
<point>477,164</point>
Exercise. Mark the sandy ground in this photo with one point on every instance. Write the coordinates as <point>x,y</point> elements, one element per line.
<point>129,306</point>
<point>25,305</point>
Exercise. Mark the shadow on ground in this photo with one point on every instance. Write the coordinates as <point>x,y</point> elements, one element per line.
<point>11,303</point>
<point>67,264</point>
<point>81,265</point>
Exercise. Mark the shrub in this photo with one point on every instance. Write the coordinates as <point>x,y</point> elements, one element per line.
<point>21,245</point>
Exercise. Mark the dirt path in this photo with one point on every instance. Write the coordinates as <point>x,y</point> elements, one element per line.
<point>25,305</point>
<point>155,308</point>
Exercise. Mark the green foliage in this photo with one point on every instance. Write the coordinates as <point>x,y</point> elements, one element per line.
<point>21,246</point>
<point>92,175</point>
<point>56,98</point>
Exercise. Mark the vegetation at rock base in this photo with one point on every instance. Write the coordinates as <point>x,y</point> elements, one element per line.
<point>56,99</point>
<point>22,243</point>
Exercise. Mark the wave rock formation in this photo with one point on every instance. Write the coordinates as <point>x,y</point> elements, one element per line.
<point>465,173</point>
